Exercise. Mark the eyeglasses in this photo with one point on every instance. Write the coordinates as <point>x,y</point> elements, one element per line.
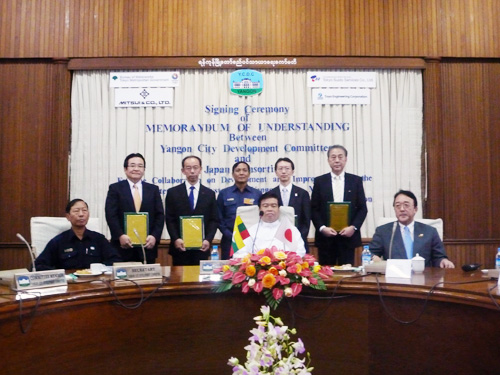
<point>132,166</point>
<point>285,169</point>
<point>406,206</point>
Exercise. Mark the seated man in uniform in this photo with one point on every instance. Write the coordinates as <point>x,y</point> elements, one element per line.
<point>77,247</point>
<point>270,229</point>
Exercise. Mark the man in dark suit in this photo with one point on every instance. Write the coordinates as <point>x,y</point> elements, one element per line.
<point>404,238</point>
<point>189,199</point>
<point>134,195</point>
<point>293,196</point>
<point>337,247</point>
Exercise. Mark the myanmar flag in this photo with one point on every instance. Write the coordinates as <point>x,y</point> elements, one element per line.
<point>240,233</point>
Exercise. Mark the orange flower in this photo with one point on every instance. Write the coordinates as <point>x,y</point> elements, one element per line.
<point>305,265</point>
<point>273,270</point>
<point>268,281</point>
<point>250,270</point>
<point>261,251</point>
<point>299,267</point>
<point>225,267</point>
<point>282,264</point>
<point>280,255</point>
<point>265,260</point>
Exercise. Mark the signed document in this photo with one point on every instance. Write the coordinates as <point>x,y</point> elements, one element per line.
<point>136,227</point>
<point>192,231</point>
<point>339,215</point>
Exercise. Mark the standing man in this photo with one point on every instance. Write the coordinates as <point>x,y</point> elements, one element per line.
<point>228,201</point>
<point>188,199</point>
<point>337,247</point>
<point>404,238</point>
<point>134,195</point>
<point>291,195</point>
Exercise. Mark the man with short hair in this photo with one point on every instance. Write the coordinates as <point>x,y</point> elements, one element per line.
<point>404,238</point>
<point>190,198</point>
<point>228,201</point>
<point>78,247</point>
<point>134,195</point>
<point>268,232</point>
<point>337,247</point>
<point>293,196</point>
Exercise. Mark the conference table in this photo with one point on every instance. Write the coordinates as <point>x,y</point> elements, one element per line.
<point>438,322</point>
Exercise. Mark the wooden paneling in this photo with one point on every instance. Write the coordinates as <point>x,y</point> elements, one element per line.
<point>97,28</point>
<point>35,123</point>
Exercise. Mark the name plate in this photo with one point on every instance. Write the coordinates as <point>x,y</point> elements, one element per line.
<point>145,271</point>
<point>39,279</point>
<point>207,267</point>
<point>398,268</point>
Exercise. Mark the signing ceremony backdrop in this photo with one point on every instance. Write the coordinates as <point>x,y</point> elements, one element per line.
<point>204,118</point>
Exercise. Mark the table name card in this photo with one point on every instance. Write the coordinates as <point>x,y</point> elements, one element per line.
<point>39,279</point>
<point>135,272</point>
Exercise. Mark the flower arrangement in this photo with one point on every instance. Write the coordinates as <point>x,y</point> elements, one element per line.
<point>271,350</point>
<point>275,273</point>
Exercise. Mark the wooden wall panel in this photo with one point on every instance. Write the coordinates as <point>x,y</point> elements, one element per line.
<point>469,148</point>
<point>35,123</point>
<point>98,28</point>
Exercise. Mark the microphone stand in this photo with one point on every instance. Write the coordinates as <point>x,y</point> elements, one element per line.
<point>33,268</point>
<point>392,239</point>
<point>261,213</point>
<point>142,246</point>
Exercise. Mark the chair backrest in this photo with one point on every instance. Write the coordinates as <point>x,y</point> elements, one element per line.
<point>44,228</point>
<point>250,214</point>
<point>436,223</point>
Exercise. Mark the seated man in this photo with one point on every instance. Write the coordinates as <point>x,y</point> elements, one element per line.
<point>408,236</point>
<point>77,247</point>
<point>270,230</point>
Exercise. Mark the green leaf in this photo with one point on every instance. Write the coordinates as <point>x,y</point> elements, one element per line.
<point>273,303</point>
<point>223,286</point>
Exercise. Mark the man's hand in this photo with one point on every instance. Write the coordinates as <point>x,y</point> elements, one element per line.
<point>347,231</point>
<point>125,242</point>
<point>205,245</point>
<point>445,263</point>
<point>179,244</point>
<point>328,232</point>
<point>150,242</point>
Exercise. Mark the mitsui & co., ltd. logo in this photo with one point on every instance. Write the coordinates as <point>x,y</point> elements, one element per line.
<point>246,82</point>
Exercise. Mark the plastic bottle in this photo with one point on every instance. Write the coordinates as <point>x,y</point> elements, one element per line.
<point>214,255</point>
<point>366,256</point>
<point>497,260</point>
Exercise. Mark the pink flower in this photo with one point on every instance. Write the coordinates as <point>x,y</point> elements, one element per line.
<point>258,287</point>
<point>245,287</point>
<point>227,275</point>
<point>238,278</point>
<point>296,289</point>
<point>277,293</point>
<point>313,281</point>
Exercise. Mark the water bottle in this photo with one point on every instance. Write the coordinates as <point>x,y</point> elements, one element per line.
<point>497,260</point>
<point>366,256</point>
<point>214,255</point>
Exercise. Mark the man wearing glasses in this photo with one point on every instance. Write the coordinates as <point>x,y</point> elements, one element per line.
<point>190,198</point>
<point>134,195</point>
<point>293,196</point>
<point>406,237</point>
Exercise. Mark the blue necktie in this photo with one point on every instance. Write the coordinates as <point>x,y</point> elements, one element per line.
<point>191,198</point>
<point>408,242</point>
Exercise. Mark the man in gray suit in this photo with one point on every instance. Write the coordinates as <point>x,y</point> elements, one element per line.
<point>409,237</point>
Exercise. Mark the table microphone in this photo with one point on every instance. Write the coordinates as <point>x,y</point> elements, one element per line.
<point>261,213</point>
<point>392,239</point>
<point>142,246</point>
<point>33,269</point>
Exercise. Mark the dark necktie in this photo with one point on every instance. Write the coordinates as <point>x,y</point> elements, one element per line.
<point>191,198</point>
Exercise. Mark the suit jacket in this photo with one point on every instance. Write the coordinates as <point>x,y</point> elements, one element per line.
<point>177,204</point>
<point>301,203</point>
<point>119,200</point>
<point>323,193</point>
<point>426,243</point>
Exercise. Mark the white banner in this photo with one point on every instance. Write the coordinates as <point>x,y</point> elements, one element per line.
<point>342,79</point>
<point>144,97</point>
<point>144,79</point>
<point>341,96</point>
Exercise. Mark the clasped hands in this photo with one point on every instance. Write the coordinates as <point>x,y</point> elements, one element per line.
<point>345,232</point>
